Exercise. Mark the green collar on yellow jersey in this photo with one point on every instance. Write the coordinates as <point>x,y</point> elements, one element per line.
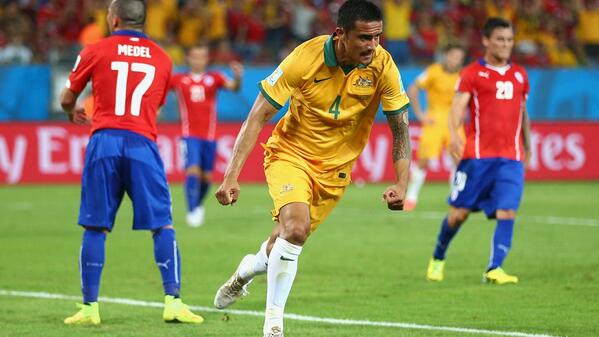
<point>330,60</point>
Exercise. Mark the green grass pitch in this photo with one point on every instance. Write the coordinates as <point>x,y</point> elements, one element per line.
<point>363,263</point>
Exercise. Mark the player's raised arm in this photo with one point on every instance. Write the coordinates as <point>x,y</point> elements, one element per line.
<point>235,83</point>
<point>395,194</point>
<point>456,120</point>
<point>260,114</point>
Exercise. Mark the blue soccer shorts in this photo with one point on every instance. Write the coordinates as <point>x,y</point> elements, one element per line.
<point>119,161</point>
<point>488,184</point>
<point>198,152</point>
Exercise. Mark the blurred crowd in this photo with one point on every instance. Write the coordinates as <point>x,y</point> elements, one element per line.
<point>549,33</point>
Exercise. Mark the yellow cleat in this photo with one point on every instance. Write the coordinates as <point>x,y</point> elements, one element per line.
<point>88,314</point>
<point>435,270</point>
<point>498,276</point>
<point>175,311</point>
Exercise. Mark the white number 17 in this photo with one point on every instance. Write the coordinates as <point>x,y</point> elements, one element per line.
<point>122,69</point>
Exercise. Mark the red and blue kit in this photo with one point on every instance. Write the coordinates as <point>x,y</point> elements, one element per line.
<point>498,94</point>
<point>196,94</point>
<point>130,76</point>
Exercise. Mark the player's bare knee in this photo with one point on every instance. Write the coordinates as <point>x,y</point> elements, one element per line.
<point>161,228</point>
<point>96,229</point>
<point>505,214</point>
<point>194,170</point>
<point>457,217</point>
<point>296,231</point>
<point>206,176</point>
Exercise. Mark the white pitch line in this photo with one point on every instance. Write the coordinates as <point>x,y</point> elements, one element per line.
<point>335,321</point>
<point>550,220</point>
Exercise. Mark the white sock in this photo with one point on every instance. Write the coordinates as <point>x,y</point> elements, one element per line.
<point>257,265</point>
<point>282,266</point>
<point>417,178</point>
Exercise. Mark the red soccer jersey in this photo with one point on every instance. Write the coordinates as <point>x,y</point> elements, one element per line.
<point>130,76</point>
<point>495,109</point>
<point>196,94</point>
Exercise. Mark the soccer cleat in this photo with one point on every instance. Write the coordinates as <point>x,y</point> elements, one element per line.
<point>88,314</point>
<point>499,276</point>
<point>195,218</point>
<point>409,205</point>
<point>275,331</point>
<point>234,288</point>
<point>175,311</point>
<point>435,270</point>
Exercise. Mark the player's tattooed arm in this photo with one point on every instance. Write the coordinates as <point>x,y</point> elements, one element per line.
<point>395,194</point>
<point>401,138</point>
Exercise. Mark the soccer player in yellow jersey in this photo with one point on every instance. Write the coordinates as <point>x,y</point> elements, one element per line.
<point>438,81</point>
<point>335,85</point>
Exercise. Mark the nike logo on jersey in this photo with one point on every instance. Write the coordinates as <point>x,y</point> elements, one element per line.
<point>322,79</point>
<point>286,258</point>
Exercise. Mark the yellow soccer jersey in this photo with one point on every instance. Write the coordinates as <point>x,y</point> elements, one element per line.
<point>440,87</point>
<point>332,108</point>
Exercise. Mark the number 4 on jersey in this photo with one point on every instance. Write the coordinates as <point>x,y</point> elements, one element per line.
<point>122,69</point>
<point>334,109</point>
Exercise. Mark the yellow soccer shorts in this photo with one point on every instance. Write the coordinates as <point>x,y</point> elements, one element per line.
<point>289,182</point>
<point>433,139</point>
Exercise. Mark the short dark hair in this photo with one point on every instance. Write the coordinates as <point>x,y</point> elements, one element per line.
<point>453,45</point>
<point>200,45</point>
<point>493,23</point>
<point>131,12</point>
<point>354,10</point>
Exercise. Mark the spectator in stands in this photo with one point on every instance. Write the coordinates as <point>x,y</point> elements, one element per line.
<point>15,52</point>
<point>159,18</point>
<point>223,54</point>
<point>588,28</point>
<point>501,8</point>
<point>527,25</point>
<point>553,39</point>
<point>91,32</point>
<point>250,35</point>
<point>477,13</point>
<point>217,21</point>
<point>192,22</point>
<point>303,16</point>
<point>62,26</point>
<point>470,38</point>
<point>276,21</point>
<point>97,10</point>
<point>425,38</point>
<point>174,49</point>
<point>397,29</point>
